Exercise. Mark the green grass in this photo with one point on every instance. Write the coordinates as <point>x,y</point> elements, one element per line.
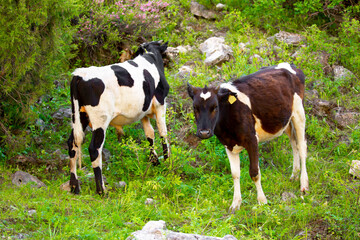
<point>193,190</point>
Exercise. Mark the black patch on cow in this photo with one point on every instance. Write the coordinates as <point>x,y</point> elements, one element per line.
<point>149,88</point>
<point>151,141</point>
<point>123,76</point>
<point>89,92</point>
<point>84,119</point>
<point>96,141</point>
<point>165,148</point>
<point>150,57</point>
<point>133,63</point>
<point>70,142</point>
<point>162,90</point>
<point>152,157</point>
<point>74,184</point>
<point>98,180</point>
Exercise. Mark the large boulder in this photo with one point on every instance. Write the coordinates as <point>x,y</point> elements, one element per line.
<point>216,51</point>
<point>200,11</point>
<point>20,178</point>
<point>156,230</point>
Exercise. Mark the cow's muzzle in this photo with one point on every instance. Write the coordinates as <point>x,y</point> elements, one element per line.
<point>204,133</point>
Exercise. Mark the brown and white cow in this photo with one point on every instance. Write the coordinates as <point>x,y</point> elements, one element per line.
<point>117,95</point>
<point>252,109</point>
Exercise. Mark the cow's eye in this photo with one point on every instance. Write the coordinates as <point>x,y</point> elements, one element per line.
<point>214,109</point>
<point>196,109</point>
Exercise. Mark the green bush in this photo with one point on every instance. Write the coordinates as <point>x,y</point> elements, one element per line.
<point>35,43</point>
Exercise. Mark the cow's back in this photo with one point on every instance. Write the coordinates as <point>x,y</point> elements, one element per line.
<point>270,93</point>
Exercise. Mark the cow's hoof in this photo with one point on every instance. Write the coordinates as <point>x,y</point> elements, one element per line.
<point>235,206</point>
<point>75,189</point>
<point>262,200</point>
<point>155,162</point>
<point>153,158</point>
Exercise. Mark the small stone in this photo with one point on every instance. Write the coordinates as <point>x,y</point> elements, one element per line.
<point>149,201</point>
<point>120,184</point>
<point>31,212</point>
<point>355,168</point>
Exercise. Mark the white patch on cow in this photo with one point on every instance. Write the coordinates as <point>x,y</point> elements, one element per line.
<point>205,95</point>
<point>78,131</point>
<point>262,135</point>
<point>241,96</point>
<point>286,66</point>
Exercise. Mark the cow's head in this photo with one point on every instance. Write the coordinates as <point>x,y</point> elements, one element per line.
<point>206,109</point>
<point>155,47</point>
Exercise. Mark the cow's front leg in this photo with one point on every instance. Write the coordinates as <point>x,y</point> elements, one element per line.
<point>74,152</point>
<point>95,149</point>
<point>234,160</point>
<point>149,133</point>
<point>255,171</point>
<point>161,124</point>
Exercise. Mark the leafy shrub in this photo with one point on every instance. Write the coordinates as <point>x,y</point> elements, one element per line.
<point>35,43</point>
<point>106,29</point>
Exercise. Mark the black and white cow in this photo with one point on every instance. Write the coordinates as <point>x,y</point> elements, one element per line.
<point>252,109</point>
<point>117,95</point>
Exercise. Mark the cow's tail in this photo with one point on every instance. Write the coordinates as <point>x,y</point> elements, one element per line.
<point>78,131</point>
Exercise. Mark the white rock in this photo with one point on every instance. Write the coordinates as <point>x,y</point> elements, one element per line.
<point>220,6</point>
<point>355,168</point>
<point>156,230</point>
<point>216,51</point>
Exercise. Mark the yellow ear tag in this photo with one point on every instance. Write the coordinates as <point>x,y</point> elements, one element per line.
<point>232,99</point>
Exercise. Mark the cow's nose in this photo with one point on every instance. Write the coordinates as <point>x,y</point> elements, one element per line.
<point>205,133</point>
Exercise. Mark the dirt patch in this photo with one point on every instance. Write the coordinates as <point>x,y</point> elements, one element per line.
<point>319,229</point>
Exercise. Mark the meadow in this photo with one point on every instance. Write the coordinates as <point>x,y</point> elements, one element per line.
<point>192,191</point>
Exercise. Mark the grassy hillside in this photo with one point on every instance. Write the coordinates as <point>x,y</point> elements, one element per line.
<point>193,190</point>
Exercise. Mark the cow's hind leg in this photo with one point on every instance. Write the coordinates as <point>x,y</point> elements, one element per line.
<point>298,121</point>
<point>74,152</point>
<point>149,133</point>
<point>95,148</point>
<point>161,124</point>
<point>290,131</point>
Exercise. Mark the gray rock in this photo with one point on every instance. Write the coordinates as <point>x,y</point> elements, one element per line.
<point>200,11</point>
<point>216,51</point>
<point>120,184</point>
<point>288,38</point>
<point>287,196</point>
<point>62,113</point>
<point>341,73</point>
<point>41,124</point>
<point>254,59</point>
<point>185,71</point>
<point>106,155</point>
<point>156,230</point>
<point>19,178</point>
<point>65,186</point>
<point>345,119</point>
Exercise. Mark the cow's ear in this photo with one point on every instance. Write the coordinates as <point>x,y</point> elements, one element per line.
<point>140,51</point>
<point>163,47</point>
<point>192,90</point>
<point>223,94</point>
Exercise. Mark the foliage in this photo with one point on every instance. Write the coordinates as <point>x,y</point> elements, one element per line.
<point>106,30</point>
<point>35,43</point>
